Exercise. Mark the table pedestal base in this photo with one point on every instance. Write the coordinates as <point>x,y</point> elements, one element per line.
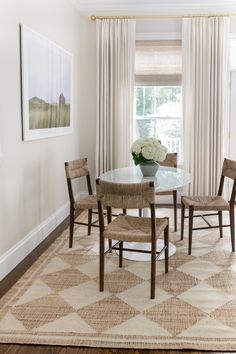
<point>145,257</point>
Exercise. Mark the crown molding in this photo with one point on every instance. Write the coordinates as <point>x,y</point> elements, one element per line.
<point>154,7</point>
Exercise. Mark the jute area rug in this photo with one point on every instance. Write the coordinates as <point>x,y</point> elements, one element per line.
<point>57,301</point>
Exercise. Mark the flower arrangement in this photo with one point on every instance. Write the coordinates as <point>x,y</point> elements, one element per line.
<point>148,149</point>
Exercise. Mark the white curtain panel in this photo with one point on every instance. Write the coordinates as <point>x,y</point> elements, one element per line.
<point>205,44</point>
<point>115,86</point>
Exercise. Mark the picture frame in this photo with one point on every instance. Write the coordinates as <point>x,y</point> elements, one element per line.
<point>46,87</point>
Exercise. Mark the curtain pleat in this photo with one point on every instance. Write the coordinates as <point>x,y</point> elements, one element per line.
<point>115,85</point>
<point>205,44</point>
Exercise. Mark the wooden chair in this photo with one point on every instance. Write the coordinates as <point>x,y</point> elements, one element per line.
<point>212,203</point>
<point>75,170</point>
<point>130,228</point>
<point>170,161</point>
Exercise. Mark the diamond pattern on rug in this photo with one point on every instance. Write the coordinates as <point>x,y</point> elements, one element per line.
<point>83,295</point>
<point>71,323</point>
<point>143,269</point>
<point>120,280</point>
<point>200,269</point>
<point>174,315</point>
<point>10,323</point>
<point>224,314</point>
<point>55,265</point>
<point>91,269</point>
<point>76,258</point>
<point>64,279</point>
<point>38,312</point>
<point>170,282</point>
<point>220,257</point>
<point>224,280</point>
<point>113,258</point>
<point>209,328</point>
<point>198,248</point>
<point>36,290</point>
<point>205,297</point>
<point>142,302</point>
<point>212,239</point>
<point>139,326</point>
<point>179,258</point>
<point>107,313</point>
<point>58,301</point>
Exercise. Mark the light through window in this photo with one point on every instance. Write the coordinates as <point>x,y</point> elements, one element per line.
<point>158,112</point>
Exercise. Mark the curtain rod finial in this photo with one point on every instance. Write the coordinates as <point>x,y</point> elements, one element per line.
<point>93,18</point>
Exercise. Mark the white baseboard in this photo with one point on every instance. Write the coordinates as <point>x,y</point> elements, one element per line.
<point>10,259</point>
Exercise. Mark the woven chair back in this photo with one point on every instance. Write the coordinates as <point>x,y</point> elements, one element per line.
<point>229,169</point>
<point>76,168</point>
<point>170,160</point>
<point>125,196</point>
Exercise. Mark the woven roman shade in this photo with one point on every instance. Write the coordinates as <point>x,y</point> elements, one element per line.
<point>158,63</point>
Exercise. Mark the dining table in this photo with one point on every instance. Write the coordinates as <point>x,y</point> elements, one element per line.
<point>166,179</point>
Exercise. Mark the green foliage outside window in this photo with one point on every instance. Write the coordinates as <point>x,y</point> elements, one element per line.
<point>150,98</point>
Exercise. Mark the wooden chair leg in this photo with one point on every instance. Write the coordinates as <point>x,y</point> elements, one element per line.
<point>140,212</point>
<point>232,228</point>
<point>89,221</point>
<point>101,262</point>
<point>190,230</point>
<point>175,208</point>
<point>166,243</point>
<point>120,254</point>
<point>71,227</point>
<point>124,211</point>
<point>153,269</point>
<point>182,219</point>
<point>220,223</point>
<point>109,219</point>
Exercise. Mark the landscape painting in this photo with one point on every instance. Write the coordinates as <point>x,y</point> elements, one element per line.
<point>46,87</point>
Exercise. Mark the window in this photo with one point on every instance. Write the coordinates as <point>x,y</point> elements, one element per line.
<point>158,94</point>
<point>158,113</point>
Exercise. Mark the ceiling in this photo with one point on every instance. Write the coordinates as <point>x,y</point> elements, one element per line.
<point>154,7</point>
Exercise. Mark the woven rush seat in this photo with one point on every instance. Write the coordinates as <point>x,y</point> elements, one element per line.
<point>133,229</point>
<point>206,202</point>
<point>88,202</point>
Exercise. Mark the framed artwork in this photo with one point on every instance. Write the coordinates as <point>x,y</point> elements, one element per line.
<point>46,87</point>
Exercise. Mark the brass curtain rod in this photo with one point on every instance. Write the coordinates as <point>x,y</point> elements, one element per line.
<point>150,17</point>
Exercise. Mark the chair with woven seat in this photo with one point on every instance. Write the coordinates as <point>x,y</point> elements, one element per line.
<point>74,170</point>
<point>130,228</point>
<point>170,161</point>
<point>212,203</point>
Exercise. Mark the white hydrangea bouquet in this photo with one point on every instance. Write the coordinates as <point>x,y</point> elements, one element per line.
<point>148,149</point>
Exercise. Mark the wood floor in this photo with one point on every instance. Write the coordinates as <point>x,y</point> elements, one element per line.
<point>41,349</point>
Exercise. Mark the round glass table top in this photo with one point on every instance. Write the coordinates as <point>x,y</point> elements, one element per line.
<point>166,178</point>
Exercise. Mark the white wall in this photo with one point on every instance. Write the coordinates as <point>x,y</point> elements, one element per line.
<point>33,193</point>
<point>158,26</point>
